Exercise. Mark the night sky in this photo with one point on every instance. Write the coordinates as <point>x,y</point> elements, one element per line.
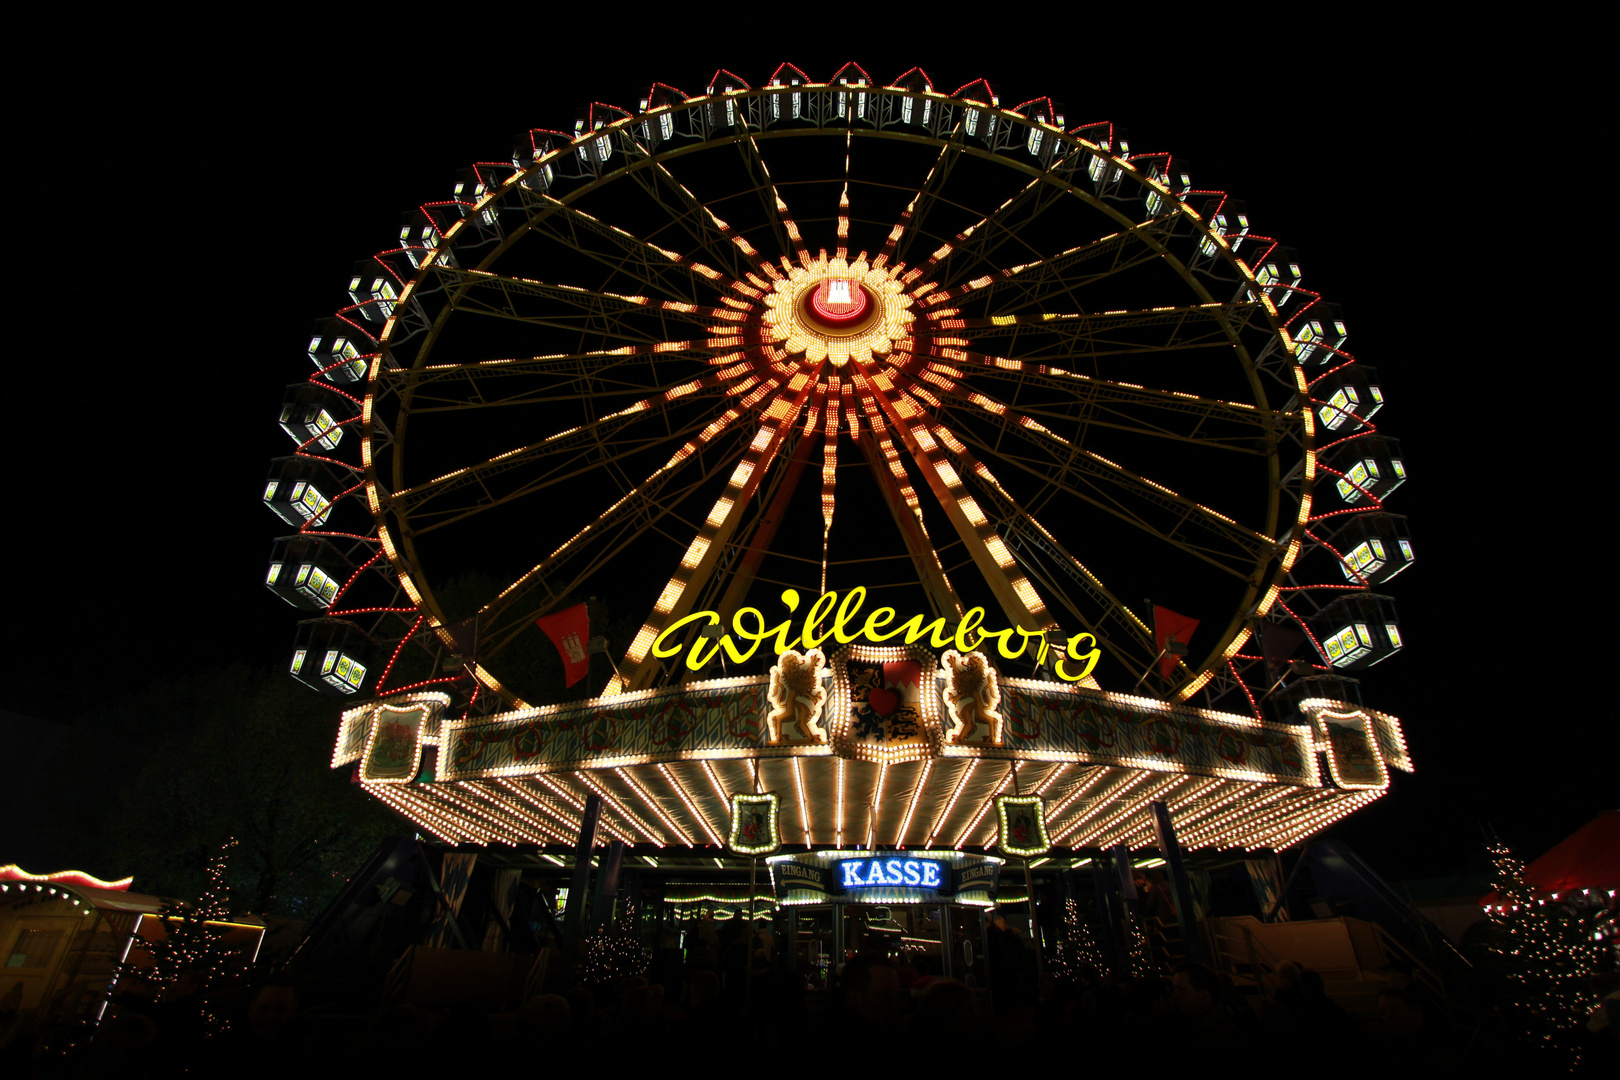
<point>190,206</point>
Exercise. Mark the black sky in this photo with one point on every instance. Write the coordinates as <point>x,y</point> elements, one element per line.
<point>184,205</point>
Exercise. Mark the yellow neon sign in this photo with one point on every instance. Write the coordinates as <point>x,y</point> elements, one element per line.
<point>748,625</point>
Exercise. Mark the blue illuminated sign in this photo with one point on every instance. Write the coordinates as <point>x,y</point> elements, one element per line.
<point>908,873</point>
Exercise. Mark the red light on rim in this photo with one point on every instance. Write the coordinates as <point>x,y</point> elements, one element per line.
<point>839,302</point>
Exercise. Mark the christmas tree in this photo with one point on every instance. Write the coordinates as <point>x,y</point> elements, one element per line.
<point>614,953</point>
<point>1076,948</point>
<point>1547,954</point>
<point>1139,954</point>
<point>191,949</point>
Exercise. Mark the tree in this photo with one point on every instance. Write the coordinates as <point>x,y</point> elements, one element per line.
<point>190,949</point>
<point>1076,948</point>
<point>615,952</point>
<point>152,783</point>
<point>1547,954</point>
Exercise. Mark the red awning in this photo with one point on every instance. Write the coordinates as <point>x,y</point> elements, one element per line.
<point>1588,858</point>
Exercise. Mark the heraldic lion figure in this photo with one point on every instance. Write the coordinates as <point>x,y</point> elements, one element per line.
<point>797,695</point>
<point>971,696</point>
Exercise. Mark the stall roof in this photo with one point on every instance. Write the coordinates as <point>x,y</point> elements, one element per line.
<point>1588,858</point>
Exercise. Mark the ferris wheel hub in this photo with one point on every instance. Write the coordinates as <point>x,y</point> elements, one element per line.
<point>838,303</point>
<point>831,309</point>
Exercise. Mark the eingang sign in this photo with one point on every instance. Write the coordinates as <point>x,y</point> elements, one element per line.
<point>748,625</point>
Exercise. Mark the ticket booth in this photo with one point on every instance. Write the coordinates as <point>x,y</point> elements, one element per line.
<point>927,910</point>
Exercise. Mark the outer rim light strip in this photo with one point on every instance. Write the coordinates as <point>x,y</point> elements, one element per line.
<point>1122,786</point>
<point>1229,809</point>
<point>840,805</point>
<point>911,807</point>
<point>462,825</point>
<point>1224,825</point>
<point>945,812</point>
<point>1205,808</point>
<point>465,824</point>
<point>714,782</point>
<point>1145,831</point>
<point>465,796</point>
<point>658,811</point>
<point>804,803</point>
<point>1134,806</point>
<point>1123,825</point>
<point>1219,826</point>
<point>610,801</point>
<point>531,798</point>
<point>875,814</point>
<point>440,832</point>
<point>962,836</point>
<point>1096,776</point>
<point>1285,817</point>
<point>550,781</point>
<point>544,832</point>
<point>692,807</point>
<point>1252,831</point>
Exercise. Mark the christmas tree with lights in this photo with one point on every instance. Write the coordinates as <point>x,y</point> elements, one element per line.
<point>1076,948</point>
<point>615,952</point>
<point>1547,954</point>
<point>1138,952</point>
<point>190,949</point>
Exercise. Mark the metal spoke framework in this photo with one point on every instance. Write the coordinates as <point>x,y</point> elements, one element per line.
<point>1088,305</point>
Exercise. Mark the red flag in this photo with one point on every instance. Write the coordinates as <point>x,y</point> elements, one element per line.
<point>1167,627</point>
<point>570,631</point>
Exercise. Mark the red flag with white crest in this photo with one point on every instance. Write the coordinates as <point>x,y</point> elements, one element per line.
<point>1167,627</point>
<point>570,631</point>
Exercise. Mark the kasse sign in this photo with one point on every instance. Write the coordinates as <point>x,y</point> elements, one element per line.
<point>915,873</point>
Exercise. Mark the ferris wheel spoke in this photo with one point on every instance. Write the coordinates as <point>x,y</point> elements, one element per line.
<point>783,228</point>
<point>443,387</point>
<point>776,420</point>
<point>753,539</point>
<point>676,276</point>
<point>1198,421</point>
<point>482,293</point>
<point>1031,540</point>
<point>887,466</point>
<point>975,245</point>
<point>1109,393</point>
<point>595,457</point>
<point>1013,591</point>
<point>684,208</point>
<point>571,441</point>
<point>1033,283</point>
<point>1072,463</point>
<point>910,225</point>
<point>902,502</point>
<point>542,587</point>
<point>1225,544</point>
<point>1080,334</point>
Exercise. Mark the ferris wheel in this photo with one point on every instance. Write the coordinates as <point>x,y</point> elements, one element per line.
<point>757,343</point>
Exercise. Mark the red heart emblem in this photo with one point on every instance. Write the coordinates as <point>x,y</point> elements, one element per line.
<point>883,702</point>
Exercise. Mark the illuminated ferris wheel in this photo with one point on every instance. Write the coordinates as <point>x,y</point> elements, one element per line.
<point>730,349</point>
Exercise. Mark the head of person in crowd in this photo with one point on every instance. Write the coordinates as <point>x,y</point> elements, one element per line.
<point>1401,1015</point>
<point>872,989</point>
<point>1196,989</point>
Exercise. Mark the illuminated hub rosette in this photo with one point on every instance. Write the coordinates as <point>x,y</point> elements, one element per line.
<point>998,365</point>
<point>836,311</point>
